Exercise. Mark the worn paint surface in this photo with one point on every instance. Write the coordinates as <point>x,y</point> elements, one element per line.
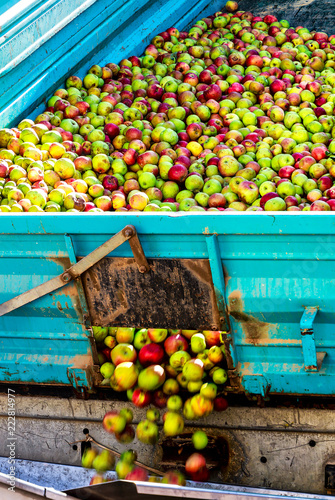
<point>173,294</point>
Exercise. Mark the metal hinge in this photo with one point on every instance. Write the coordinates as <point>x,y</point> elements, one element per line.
<point>312,360</point>
<point>128,233</point>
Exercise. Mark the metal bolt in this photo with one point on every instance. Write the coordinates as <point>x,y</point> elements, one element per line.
<point>214,327</point>
<point>128,233</point>
<point>66,277</point>
<point>142,269</point>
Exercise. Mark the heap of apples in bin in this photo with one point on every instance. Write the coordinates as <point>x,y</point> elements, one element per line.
<point>235,115</point>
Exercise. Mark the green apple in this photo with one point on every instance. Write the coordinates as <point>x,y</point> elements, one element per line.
<point>127,414</point>
<point>147,432</point>
<point>151,378</point>
<point>199,440</point>
<point>178,359</point>
<point>198,343</point>
<point>174,403</point>
<point>153,414</point>
<point>107,370</point>
<point>193,370</point>
<point>173,424</point>
<point>88,458</point>
<point>141,338</point>
<point>208,390</point>
<point>220,375</point>
<point>104,461</point>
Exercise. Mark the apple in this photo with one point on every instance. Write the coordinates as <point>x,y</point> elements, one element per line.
<point>137,474</point>
<point>151,378</point>
<point>88,458</point>
<point>173,424</point>
<point>231,6</point>
<point>125,335</point>
<point>194,463</point>
<point>114,422</point>
<point>104,461</point>
<point>151,354</point>
<point>194,386</point>
<point>215,354</point>
<point>212,337</point>
<point>141,398</point>
<point>147,432</point>
<point>127,414</point>
<point>159,399</point>
<point>178,359</point>
<point>208,390</point>
<point>198,343</point>
<point>220,376</point>
<point>201,406</point>
<point>153,414</point>
<point>208,364</point>
<point>174,477</point>
<point>122,353</point>
<point>129,456</point>
<point>188,333</point>
<point>193,370</point>
<point>201,475</point>
<point>175,343</point>
<point>188,412</point>
<point>126,436</point>
<point>123,468</point>
<point>220,403</point>
<point>170,386</point>
<point>199,440</point>
<point>99,332</point>
<point>110,341</point>
<point>107,369</point>
<point>174,403</point>
<point>98,479</point>
<point>157,334</point>
<point>141,338</point>
<point>125,376</point>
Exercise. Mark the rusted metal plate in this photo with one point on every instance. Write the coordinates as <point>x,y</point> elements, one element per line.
<point>173,294</point>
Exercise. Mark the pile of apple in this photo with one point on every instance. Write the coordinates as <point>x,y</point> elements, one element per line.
<point>178,372</point>
<point>236,114</point>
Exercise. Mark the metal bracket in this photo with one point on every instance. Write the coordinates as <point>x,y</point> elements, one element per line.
<point>255,384</point>
<point>312,360</point>
<point>128,233</point>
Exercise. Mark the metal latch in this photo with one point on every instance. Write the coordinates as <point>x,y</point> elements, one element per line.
<point>128,233</point>
<point>312,360</point>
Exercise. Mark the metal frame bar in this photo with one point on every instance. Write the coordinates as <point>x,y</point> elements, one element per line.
<point>215,263</point>
<point>77,269</point>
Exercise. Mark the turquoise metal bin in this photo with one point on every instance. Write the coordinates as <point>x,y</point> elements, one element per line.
<point>273,274</point>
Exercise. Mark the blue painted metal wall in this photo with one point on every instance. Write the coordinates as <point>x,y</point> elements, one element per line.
<point>275,266</point>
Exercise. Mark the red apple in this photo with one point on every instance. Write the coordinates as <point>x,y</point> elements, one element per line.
<point>151,354</point>
<point>175,343</point>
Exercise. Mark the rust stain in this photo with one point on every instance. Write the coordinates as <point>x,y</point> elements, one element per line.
<point>81,361</point>
<point>226,276</point>
<point>254,329</point>
<point>59,306</point>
